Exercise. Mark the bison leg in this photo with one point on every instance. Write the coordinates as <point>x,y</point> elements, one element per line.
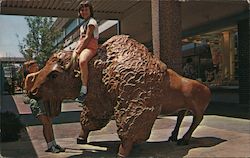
<point>125,148</point>
<point>134,125</point>
<point>197,118</point>
<point>90,122</point>
<point>83,136</point>
<point>181,115</point>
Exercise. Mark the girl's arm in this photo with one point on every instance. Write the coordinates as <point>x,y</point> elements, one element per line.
<point>85,40</point>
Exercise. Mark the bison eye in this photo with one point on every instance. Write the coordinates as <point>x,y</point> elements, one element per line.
<point>53,75</point>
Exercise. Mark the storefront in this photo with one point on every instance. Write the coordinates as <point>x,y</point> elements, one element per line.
<point>220,56</point>
<point>214,55</point>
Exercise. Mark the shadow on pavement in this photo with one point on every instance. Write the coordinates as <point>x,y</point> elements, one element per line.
<point>20,148</point>
<point>150,149</point>
<point>64,117</point>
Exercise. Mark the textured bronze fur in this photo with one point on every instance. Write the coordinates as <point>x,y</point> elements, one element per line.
<point>127,81</point>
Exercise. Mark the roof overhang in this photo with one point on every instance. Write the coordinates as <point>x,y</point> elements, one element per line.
<point>12,60</point>
<point>197,16</point>
<point>104,9</point>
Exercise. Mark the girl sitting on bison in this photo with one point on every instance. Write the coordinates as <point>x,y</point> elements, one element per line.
<point>87,45</point>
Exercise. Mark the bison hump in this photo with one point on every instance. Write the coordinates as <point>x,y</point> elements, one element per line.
<point>129,64</point>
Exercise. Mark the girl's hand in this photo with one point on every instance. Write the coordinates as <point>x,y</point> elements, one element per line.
<point>74,56</point>
<point>72,60</point>
<point>75,51</point>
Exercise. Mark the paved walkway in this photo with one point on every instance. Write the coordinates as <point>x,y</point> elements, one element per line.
<point>217,136</point>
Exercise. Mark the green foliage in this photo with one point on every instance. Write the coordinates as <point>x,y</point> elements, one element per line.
<point>38,44</point>
<point>10,126</point>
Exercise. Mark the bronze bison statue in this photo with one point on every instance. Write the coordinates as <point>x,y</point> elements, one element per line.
<point>125,81</point>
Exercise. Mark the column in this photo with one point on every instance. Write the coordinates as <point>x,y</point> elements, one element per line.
<point>166,32</point>
<point>155,27</point>
<point>244,61</point>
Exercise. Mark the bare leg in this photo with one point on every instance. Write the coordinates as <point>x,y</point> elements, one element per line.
<point>84,58</point>
<point>181,115</point>
<point>47,128</point>
<point>83,136</point>
<point>197,118</point>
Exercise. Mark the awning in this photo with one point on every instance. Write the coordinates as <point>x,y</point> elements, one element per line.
<point>104,9</point>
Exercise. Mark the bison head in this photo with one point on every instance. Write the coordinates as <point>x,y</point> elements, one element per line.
<point>53,82</point>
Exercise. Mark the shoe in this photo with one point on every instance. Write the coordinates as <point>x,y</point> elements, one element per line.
<point>81,98</point>
<point>53,149</point>
<point>61,149</point>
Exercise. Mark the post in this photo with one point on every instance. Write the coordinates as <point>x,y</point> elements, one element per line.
<point>155,27</point>
<point>244,60</point>
<point>166,32</point>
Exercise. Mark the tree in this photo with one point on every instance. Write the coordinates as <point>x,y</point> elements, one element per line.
<point>39,42</point>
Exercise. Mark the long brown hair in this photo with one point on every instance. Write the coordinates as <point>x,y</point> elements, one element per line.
<point>85,4</point>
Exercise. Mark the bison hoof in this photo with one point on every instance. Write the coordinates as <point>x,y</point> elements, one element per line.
<point>172,139</point>
<point>80,140</point>
<point>182,142</point>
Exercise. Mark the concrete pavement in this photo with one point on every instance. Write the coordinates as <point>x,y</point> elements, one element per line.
<point>217,136</point>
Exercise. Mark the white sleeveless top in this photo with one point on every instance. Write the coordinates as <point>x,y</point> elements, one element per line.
<point>93,22</point>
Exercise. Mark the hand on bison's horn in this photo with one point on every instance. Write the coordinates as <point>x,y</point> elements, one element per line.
<point>72,61</point>
<point>34,91</point>
<point>67,66</point>
<point>33,94</point>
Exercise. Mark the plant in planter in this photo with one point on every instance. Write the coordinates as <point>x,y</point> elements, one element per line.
<point>10,126</point>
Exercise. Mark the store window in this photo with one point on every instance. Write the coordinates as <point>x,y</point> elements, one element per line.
<point>214,56</point>
<point>71,26</point>
<point>60,38</point>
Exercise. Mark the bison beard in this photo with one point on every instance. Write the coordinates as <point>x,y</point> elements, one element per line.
<point>125,81</point>
<point>52,107</point>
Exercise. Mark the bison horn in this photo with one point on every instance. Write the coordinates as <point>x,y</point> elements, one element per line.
<point>34,91</point>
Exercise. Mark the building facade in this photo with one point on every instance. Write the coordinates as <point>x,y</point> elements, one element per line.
<point>215,35</point>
